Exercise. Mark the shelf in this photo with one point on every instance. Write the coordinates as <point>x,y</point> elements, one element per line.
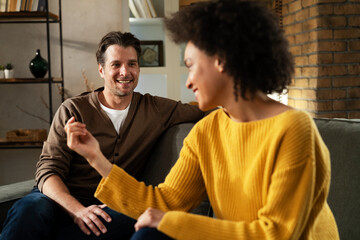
<point>29,80</point>
<point>146,21</point>
<point>17,17</point>
<point>13,145</point>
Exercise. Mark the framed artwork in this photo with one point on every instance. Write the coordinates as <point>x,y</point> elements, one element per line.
<point>152,54</point>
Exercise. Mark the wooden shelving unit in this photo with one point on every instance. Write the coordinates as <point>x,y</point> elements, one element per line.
<point>45,18</point>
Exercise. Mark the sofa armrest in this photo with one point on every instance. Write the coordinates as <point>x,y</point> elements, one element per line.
<point>10,193</point>
<point>16,190</point>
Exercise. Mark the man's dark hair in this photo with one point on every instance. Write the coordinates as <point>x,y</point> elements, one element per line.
<point>122,39</point>
<point>245,34</point>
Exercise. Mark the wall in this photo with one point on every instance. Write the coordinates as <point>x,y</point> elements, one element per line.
<point>324,38</point>
<point>84,23</point>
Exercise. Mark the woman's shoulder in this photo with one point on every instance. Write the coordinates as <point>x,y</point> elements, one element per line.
<point>295,116</point>
<point>211,123</point>
<point>297,123</point>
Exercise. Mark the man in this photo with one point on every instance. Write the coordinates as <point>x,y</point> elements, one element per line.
<point>126,123</point>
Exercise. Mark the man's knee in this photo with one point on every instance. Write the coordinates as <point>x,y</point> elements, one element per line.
<point>34,204</point>
<point>31,217</point>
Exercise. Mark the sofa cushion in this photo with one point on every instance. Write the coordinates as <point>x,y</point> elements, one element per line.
<point>342,138</point>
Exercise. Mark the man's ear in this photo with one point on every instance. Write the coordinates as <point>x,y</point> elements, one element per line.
<point>101,71</point>
<point>220,64</point>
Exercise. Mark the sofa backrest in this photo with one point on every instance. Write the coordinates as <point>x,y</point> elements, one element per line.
<point>164,156</point>
<point>342,137</point>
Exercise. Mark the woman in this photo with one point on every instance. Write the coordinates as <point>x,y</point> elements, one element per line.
<point>262,164</point>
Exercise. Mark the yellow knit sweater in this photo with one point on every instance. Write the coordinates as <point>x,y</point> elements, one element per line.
<point>267,179</point>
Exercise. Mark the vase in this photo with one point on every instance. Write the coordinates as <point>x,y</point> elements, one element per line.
<point>38,65</point>
<point>2,74</point>
<point>9,73</point>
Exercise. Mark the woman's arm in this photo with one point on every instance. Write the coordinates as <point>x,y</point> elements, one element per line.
<point>83,142</point>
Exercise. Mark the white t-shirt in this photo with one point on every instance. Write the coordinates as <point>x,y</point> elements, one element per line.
<point>117,116</point>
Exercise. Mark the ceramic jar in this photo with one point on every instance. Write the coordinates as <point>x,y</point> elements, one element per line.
<point>38,65</point>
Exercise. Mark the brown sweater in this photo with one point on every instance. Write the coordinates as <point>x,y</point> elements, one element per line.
<point>148,118</point>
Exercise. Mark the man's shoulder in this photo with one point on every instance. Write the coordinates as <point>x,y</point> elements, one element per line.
<point>157,102</point>
<point>168,107</point>
<point>85,97</point>
<point>149,97</point>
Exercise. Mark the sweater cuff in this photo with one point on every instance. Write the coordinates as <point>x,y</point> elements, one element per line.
<point>105,185</point>
<point>170,224</point>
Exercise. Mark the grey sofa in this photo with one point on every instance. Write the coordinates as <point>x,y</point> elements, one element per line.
<point>341,136</point>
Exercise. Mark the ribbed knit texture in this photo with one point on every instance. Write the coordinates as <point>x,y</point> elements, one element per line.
<point>265,179</point>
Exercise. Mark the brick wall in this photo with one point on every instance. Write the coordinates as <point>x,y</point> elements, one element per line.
<point>324,37</point>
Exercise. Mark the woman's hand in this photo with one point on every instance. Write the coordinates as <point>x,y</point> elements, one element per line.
<point>84,143</point>
<point>150,218</point>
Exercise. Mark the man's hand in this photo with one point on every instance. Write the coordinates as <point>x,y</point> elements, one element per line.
<point>87,218</point>
<point>80,140</point>
<point>150,218</point>
<point>84,143</point>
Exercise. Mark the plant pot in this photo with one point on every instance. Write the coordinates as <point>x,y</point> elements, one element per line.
<point>9,73</point>
<point>2,74</point>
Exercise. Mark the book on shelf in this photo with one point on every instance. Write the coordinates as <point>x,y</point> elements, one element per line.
<point>11,5</point>
<point>142,8</point>
<point>133,9</point>
<point>152,9</point>
<point>139,6</point>
<point>146,9</point>
<point>34,6</point>
<point>23,5</point>
<point>29,5</point>
<point>41,6</point>
<point>18,5</point>
<point>3,5</point>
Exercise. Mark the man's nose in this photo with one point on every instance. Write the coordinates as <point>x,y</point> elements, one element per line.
<point>124,70</point>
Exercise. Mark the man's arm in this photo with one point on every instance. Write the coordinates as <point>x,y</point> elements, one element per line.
<point>85,217</point>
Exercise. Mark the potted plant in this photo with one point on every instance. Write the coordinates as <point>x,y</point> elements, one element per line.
<point>2,74</point>
<point>9,71</point>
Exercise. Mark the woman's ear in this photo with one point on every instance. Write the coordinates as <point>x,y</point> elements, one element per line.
<point>220,64</point>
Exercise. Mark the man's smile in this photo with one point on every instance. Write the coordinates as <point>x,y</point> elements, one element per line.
<point>124,81</point>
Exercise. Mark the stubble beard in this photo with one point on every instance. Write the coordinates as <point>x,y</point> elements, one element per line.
<point>119,93</point>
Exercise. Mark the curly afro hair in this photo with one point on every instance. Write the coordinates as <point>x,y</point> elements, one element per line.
<point>244,34</point>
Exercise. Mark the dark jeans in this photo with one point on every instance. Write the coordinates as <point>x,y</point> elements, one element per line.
<point>36,216</point>
<point>149,234</point>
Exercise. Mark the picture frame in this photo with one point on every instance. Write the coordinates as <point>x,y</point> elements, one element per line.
<point>152,54</point>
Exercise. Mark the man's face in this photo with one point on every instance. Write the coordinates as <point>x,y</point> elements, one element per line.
<point>120,71</point>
